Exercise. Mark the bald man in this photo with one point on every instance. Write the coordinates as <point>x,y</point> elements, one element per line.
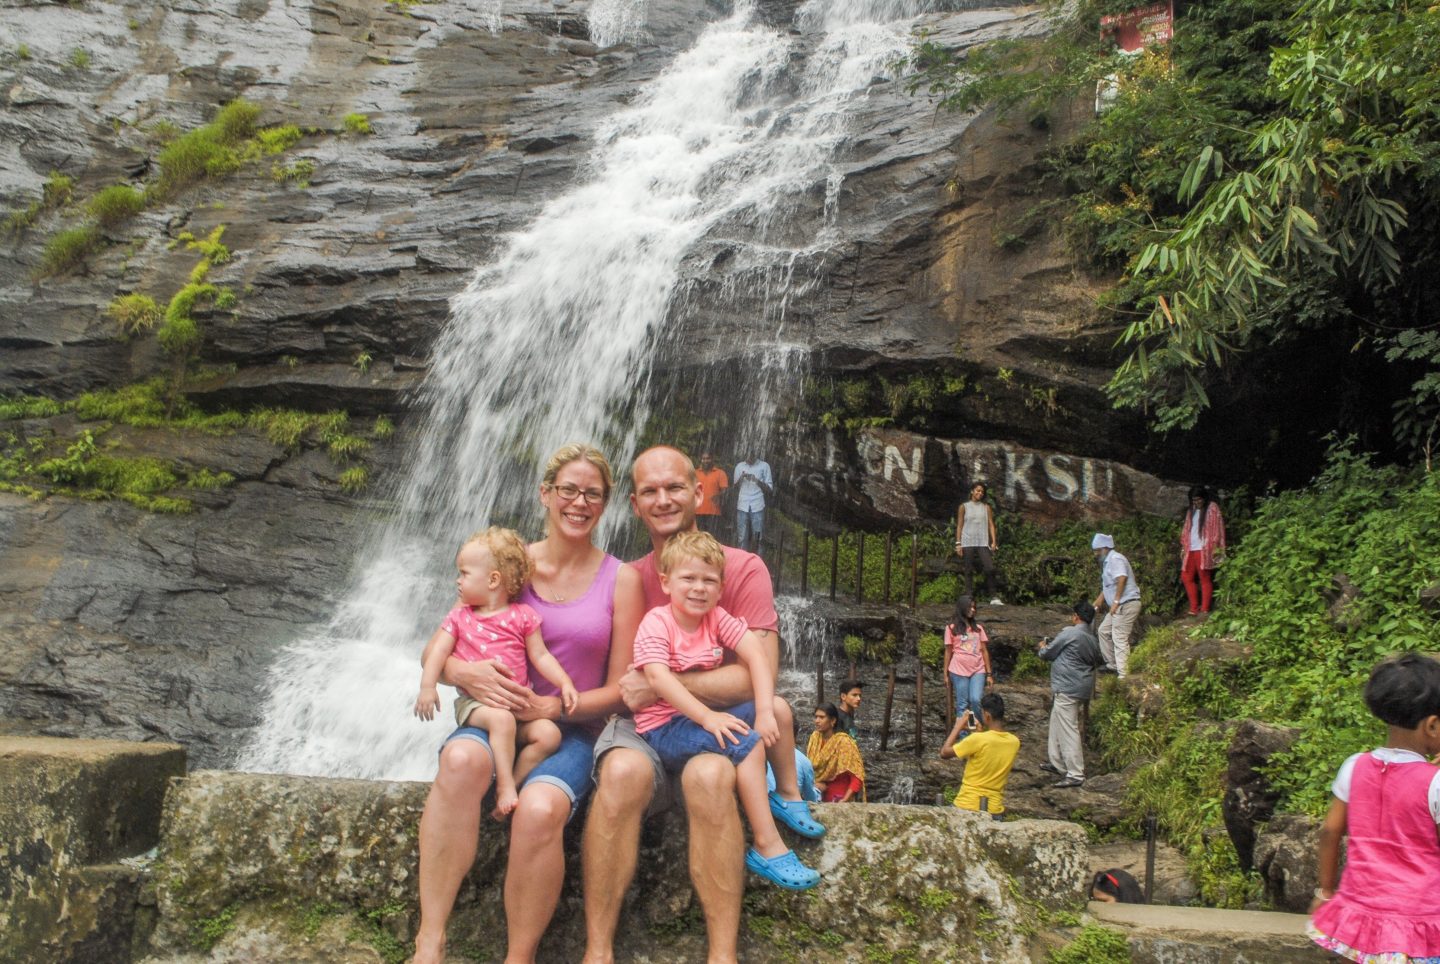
<point>631,782</point>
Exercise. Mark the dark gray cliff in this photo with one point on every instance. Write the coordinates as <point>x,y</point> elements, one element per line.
<point>927,264</point>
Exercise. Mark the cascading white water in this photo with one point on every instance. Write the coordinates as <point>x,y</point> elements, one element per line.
<point>553,342</point>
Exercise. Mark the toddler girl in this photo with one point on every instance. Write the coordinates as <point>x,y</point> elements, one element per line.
<point>1386,909</point>
<point>487,625</point>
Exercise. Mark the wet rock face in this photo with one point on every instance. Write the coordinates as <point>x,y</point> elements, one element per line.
<point>1249,800</point>
<point>1285,858</point>
<point>262,855</point>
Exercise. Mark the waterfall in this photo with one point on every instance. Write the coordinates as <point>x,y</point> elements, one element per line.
<point>554,340</point>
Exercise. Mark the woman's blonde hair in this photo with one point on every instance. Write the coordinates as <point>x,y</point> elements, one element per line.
<point>692,545</point>
<point>508,550</point>
<point>576,452</point>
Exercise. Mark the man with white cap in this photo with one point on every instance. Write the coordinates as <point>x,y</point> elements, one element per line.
<point>1120,593</point>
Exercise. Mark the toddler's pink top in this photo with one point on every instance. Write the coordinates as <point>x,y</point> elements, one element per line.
<point>661,640</point>
<point>966,657</point>
<point>1388,901</point>
<point>500,636</point>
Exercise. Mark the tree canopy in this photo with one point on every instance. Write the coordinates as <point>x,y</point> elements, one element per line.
<point>1270,172</point>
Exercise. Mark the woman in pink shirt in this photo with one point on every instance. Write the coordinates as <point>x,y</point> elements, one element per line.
<point>967,659</point>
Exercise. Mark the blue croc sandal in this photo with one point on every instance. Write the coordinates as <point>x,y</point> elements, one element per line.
<point>785,870</point>
<point>795,814</point>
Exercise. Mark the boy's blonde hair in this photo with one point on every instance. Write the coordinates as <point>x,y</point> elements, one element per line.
<point>692,545</point>
<point>508,550</point>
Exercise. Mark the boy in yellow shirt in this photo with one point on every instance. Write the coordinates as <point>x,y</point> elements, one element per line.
<point>990,753</point>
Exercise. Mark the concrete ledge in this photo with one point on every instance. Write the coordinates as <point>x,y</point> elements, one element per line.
<point>252,860</point>
<point>1203,935</point>
<point>67,806</point>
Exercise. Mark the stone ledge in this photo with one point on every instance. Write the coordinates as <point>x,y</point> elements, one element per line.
<point>65,807</point>
<point>254,859</point>
<point>1204,935</point>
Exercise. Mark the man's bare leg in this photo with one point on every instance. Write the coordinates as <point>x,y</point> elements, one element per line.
<point>536,868</point>
<point>717,850</point>
<point>449,835</point>
<point>611,845</point>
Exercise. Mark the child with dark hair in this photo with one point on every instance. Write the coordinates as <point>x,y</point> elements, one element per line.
<point>1386,907</point>
<point>967,660</point>
<point>1115,886</point>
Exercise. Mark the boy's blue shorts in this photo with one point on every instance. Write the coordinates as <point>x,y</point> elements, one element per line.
<point>682,738</point>
<point>567,768</point>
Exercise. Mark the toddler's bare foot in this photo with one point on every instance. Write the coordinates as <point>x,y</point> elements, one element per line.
<point>505,803</point>
<point>429,950</point>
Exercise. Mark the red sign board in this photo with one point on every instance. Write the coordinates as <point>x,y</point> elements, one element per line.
<point>1142,27</point>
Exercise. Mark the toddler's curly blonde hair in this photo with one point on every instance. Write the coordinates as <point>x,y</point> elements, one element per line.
<point>508,550</point>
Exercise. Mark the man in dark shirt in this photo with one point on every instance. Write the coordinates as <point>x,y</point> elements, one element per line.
<point>1073,656</point>
<point>848,706</point>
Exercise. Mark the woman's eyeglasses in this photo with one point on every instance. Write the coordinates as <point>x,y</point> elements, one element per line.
<point>570,493</point>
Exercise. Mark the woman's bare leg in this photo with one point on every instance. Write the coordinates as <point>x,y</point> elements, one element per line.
<point>536,868</point>
<point>449,835</point>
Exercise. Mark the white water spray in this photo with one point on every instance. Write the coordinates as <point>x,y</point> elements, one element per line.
<point>553,342</point>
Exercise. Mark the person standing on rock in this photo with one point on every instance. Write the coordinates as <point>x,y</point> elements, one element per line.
<point>1073,656</point>
<point>630,780</point>
<point>1202,545</point>
<point>754,485</point>
<point>713,482</point>
<point>591,605</point>
<point>967,660</point>
<point>1120,593</point>
<point>990,754</point>
<point>975,541</point>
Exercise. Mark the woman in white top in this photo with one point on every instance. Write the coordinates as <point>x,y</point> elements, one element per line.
<point>975,541</point>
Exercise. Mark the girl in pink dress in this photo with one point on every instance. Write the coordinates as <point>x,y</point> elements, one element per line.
<point>1386,909</point>
<point>486,624</point>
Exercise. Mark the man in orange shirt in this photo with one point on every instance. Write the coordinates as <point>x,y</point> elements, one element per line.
<point>713,482</point>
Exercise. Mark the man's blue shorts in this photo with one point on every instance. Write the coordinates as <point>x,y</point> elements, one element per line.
<point>567,768</point>
<point>682,738</point>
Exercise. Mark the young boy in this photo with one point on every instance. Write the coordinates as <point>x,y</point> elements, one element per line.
<point>689,634</point>
<point>991,754</point>
<point>849,706</point>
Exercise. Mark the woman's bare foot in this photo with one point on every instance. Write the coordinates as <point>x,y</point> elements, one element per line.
<point>505,801</point>
<point>429,950</point>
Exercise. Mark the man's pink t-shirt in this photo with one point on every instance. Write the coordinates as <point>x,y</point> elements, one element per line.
<point>660,639</point>
<point>500,635</point>
<point>747,593</point>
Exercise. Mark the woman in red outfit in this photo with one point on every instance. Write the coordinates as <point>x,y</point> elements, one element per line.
<point>1202,539</point>
<point>839,770</point>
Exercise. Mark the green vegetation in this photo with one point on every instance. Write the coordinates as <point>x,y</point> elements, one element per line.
<point>134,313</point>
<point>298,173</point>
<point>931,649</point>
<point>59,189</point>
<point>1263,185</point>
<point>208,151</point>
<point>36,461</point>
<point>357,124</point>
<point>80,58</point>
<point>209,931</point>
<point>1304,669</point>
<point>22,52</point>
<point>68,249</point>
<point>115,204</point>
<point>1094,945</point>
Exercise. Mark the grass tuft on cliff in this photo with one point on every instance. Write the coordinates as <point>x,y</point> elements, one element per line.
<point>1304,668</point>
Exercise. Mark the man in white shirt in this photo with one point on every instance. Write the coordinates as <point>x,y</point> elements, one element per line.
<point>1120,593</point>
<point>753,486</point>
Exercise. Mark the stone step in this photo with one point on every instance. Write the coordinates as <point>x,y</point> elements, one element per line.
<point>1205,935</point>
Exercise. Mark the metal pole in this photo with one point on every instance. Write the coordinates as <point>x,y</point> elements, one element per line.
<point>914,565</point>
<point>919,707</point>
<point>779,562</point>
<point>889,704</point>
<point>804,562</point>
<point>860,568</point>
<point>820,678</point>
<point>834,563</point>
<point>1150,826</point>
<point>885,583</point>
